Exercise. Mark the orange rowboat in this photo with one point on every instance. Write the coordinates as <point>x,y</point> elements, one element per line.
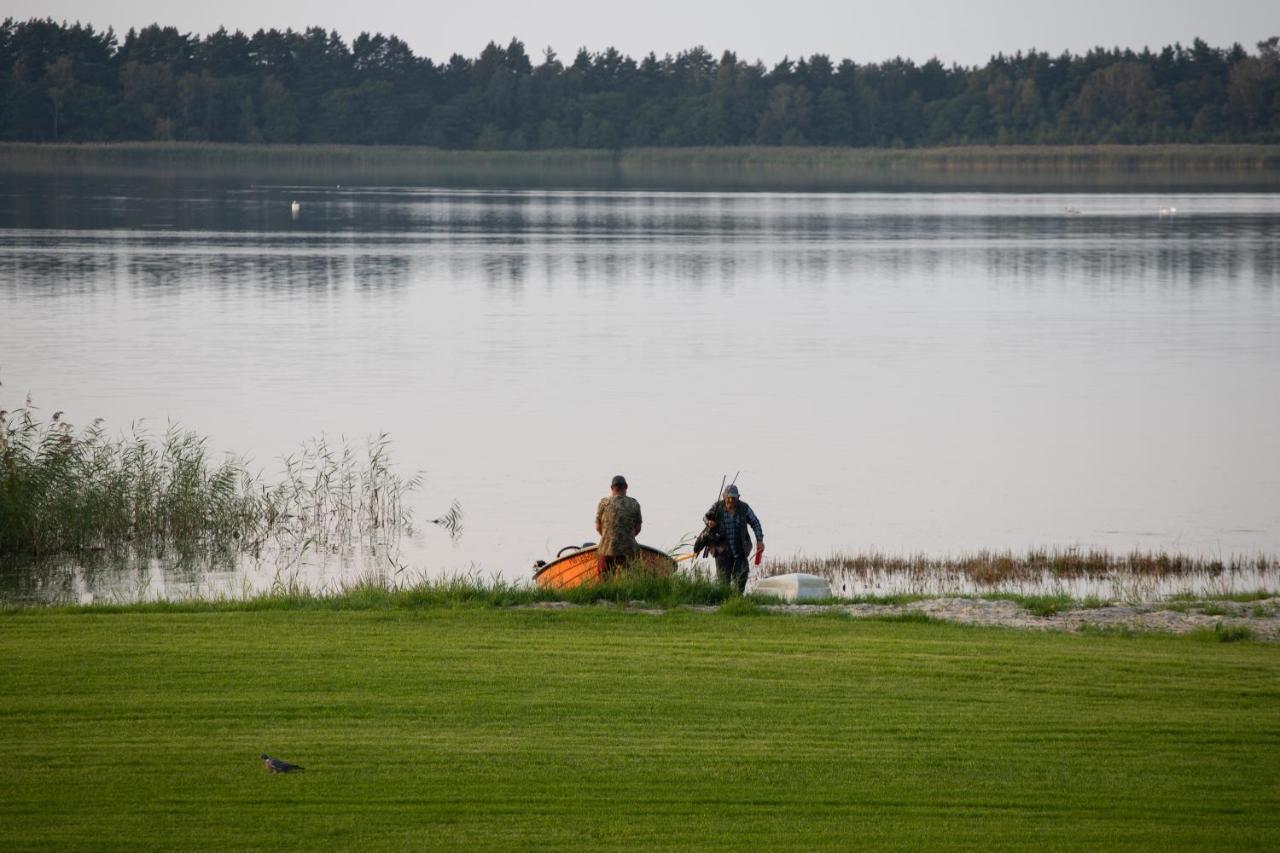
<point>583,566</point>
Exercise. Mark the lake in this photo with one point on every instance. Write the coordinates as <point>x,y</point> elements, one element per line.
<point>900,372</point>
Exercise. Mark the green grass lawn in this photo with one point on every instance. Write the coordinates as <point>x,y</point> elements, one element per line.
<point>595,728</point>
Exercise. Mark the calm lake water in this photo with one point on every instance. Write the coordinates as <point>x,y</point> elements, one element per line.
<point>903,372</point>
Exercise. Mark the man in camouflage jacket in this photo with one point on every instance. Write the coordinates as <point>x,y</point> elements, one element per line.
<point>618,523</point>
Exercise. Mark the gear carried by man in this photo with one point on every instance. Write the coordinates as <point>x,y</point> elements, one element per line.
<point>710,541</point>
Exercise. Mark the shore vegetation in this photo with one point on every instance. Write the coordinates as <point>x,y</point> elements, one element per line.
<point>1072,168</point>
<point>992,568</point>
<point>65,491</point>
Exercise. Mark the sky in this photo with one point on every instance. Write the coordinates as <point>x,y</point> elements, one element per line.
<point>967,33</point>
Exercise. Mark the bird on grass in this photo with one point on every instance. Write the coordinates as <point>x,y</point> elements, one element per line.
<point>275,765</point>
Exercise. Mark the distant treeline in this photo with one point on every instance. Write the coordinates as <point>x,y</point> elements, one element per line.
<point>71,83</point>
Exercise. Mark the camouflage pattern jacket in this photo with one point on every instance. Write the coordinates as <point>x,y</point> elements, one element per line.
<point>618,516</point>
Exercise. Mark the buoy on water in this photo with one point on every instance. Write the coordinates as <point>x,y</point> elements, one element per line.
<point>294,208</point>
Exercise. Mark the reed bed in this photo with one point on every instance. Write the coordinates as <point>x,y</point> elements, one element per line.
<point>746,167</point>
<point>995,568</point>
<point>314,163</point>
<point>64,490</point>
<point>1082,167</point>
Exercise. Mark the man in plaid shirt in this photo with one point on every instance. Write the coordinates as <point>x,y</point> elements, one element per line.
<point>735,520</point>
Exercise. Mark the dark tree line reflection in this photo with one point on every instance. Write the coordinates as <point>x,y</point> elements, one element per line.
<point>1201,263</point>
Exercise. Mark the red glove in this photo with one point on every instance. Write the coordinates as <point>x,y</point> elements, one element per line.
<point>759,553</point>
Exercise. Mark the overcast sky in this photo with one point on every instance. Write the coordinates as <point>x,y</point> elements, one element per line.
<point>963,31</point>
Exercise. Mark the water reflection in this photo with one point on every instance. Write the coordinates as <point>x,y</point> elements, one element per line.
<point>120,578</point>
<point>31,267</point>
<point>121,205</point>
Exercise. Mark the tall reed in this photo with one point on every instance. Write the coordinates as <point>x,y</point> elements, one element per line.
<point>988,568</point>
<point>66,490</point>
<point>1247,167</point>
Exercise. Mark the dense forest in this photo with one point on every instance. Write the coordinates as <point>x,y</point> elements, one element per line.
<point>70,82</point>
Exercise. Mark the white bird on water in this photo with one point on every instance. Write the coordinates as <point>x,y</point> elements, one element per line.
<point>294,208</point>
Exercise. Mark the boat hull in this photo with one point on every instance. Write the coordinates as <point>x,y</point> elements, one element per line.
<point>582,567</point>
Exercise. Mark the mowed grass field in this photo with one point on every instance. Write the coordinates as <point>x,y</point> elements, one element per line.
<point>594,728</point>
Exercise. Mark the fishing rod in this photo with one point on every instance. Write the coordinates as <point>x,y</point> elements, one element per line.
<point>731,482</point>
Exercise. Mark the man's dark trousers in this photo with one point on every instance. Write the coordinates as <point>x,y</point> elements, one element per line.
<point>731,568</point>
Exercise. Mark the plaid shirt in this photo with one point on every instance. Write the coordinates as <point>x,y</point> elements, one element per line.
<point>731,522</point>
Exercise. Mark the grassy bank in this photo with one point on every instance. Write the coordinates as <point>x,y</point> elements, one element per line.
<point>690,587</point>
<point>467,591</point>
<point>453,728</point>
<point>1163,167</point>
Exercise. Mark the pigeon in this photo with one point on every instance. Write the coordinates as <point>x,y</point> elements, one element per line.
<point>275,765</point>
